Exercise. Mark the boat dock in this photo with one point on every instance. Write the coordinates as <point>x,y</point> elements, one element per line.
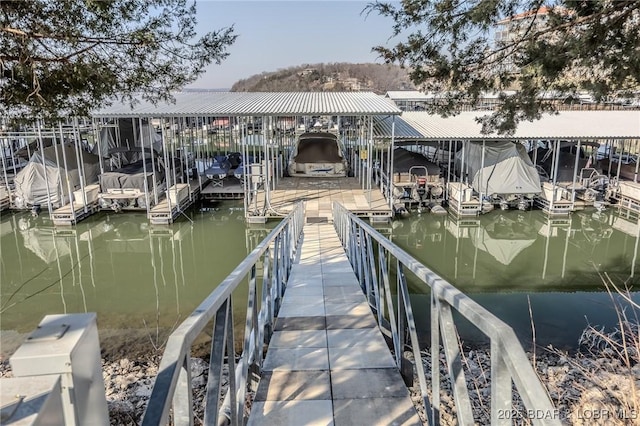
<point>627,194</point>
<point>181,197</point>
<point>72,213</point>
<point>67,216</point>
<point>327,361</point>
<point>319,194</point>
<point>223,189</point>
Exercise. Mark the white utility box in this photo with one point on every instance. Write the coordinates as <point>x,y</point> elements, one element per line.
<point>33,401</point>
<point>460,192</point>
<point>91,194</point>
<point>177,193</point>
<point>68,345</point>
<point>551,192</point>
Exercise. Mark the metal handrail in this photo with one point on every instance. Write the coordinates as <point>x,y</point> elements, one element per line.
<point>172,388</point>
<point>509,363</point>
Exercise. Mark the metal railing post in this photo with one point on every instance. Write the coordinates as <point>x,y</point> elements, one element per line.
<point>216,364</point>
<point>183,398</point>
<point>172,388</point>
<point>509,364</point>
<point>501,394</point>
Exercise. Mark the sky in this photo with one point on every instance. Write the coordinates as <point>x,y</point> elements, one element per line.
<point>274,35</point>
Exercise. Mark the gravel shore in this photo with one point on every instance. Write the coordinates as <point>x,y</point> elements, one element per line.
<point>596,385</point>
<point>585,390</point>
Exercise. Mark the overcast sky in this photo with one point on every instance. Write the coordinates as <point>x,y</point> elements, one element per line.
<point>278,34</point>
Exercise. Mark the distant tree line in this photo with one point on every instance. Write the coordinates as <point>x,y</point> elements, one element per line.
<point>334,77</point>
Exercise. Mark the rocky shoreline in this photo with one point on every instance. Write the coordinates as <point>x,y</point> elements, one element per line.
<point>599,384</point>
<point>584,390</point>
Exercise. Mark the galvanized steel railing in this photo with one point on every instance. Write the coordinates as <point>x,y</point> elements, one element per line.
<point>371,254</point>
<point>172,388</point>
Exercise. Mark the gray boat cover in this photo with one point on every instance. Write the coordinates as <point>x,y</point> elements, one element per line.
<point>44,172</point>
<point>26,151</point>
<point>127,147</point>
<point>505,169</point>
<point>404,160</point>
<point>317,148</point>
<point>131,176</point>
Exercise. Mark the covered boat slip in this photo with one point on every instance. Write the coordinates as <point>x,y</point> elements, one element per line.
<point>60,176</point>
<point>448,141</point>
<point>416,181</point>
<point>74,171</point>
<point>265,129</point>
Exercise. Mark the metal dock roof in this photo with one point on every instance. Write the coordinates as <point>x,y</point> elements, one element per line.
<point>194,104</point>
<point>564,125</point>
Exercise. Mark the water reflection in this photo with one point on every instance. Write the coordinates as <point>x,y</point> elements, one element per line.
<point>504,237</point>
<point>524,244</point>
<point>141,280</point>
<point>504,259</point>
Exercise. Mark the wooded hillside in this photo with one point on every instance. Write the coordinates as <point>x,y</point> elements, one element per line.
<point>335,77</point>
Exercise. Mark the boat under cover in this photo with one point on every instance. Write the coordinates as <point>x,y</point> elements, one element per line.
<point>405,161</point>
<point>225,166</point>
<point>504,168</point>
<point>318,154</point>
<point>566,164</point>
<point>45,180</point>
<point>416,181</point>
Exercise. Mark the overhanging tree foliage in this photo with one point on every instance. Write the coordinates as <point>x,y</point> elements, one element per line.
<point>67,57</point>
<point>546,48</point>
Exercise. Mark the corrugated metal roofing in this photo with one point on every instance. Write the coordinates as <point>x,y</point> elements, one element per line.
<point>258,104</point>
<point>403,129</point>
<point>565,125</point>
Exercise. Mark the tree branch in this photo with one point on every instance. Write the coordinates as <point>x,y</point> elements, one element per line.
<point>78,39</point>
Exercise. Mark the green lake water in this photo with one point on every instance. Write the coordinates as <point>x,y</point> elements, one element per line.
<point>510,260</point>
<point>142,281</point>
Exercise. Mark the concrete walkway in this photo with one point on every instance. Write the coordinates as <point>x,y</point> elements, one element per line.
<point>327,363</point>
